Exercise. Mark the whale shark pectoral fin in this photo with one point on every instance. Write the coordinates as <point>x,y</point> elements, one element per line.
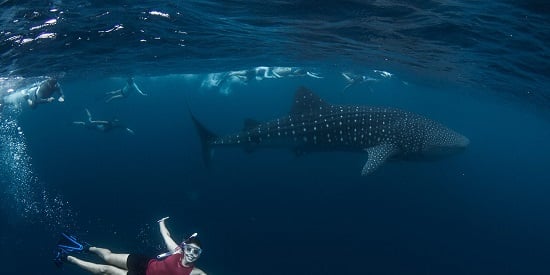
<point>377,156</point>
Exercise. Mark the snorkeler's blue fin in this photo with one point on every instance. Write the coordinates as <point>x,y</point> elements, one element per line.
<point>66,245</point>
<point>72,244</point>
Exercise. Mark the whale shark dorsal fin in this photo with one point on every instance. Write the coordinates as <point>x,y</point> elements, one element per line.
<point>250,124</point>
<point>377,156</point>
<point>305,101</point>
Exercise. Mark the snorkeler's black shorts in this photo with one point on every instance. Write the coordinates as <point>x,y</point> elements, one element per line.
<point>137,264</point>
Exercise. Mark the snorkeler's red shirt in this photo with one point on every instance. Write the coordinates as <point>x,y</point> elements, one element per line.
<point>169,265</point>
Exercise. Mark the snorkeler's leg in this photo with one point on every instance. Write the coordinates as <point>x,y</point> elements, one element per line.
<point>113,92</point>
<point>118,260</point>
<point>89,115</point>
<point>347,87</point>
<point>82,123</point>
<point>97,268</point>
<point>113,97</point>
<point>138,90</point>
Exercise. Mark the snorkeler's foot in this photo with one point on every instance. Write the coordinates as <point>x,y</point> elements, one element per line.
<point>60,257</point>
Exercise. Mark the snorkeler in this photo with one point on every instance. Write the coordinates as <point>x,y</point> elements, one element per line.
<point>258,73</point>
<point>44,93</point>
<point>124,91</point>
<point>280,72</point>
<point>263,72</point>
<point>102,125</point>
<point>354,79</point>
<point>180,259</point>
<point>242,76</point>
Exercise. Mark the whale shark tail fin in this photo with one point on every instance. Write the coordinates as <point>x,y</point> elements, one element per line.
<point>206,137</point>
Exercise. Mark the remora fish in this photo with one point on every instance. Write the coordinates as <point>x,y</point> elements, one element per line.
<point>315,126</point>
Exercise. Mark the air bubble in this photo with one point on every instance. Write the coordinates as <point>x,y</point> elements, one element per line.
<point>24,194</point>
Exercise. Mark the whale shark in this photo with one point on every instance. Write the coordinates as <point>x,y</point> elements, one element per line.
<point>313,125</point>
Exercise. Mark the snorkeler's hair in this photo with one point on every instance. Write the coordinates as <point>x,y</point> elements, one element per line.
<point>193,239</point>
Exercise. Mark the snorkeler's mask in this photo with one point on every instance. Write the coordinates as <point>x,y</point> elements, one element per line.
<point>185,245</point>
<point>196,251</point>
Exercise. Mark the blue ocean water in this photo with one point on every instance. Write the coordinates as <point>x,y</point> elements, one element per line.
<point>480,68</point>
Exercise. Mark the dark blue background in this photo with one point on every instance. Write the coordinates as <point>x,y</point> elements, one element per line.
<point>480,68</point>
<point>270,212</point>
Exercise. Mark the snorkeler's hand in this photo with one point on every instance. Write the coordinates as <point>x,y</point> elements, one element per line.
<point>162,220</point>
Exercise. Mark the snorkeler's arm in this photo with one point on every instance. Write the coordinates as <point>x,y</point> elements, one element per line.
<point>89,115</point>
<point>61,97</point>
<point>170,243</point>
<point>45,100</point>
<point>347,77</point>
<point>137,89</point>
<point>314,75</point>
<point>197,271</point>
<point>104,122</point>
